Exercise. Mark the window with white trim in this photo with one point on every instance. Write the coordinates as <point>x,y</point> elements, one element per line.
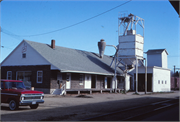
<point>9,75</point>
<point>158,81</point>
<point>81,79</point>
<point>162,81</point>
<point>39,76</point>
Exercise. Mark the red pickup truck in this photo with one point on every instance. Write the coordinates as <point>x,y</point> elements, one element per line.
<point>15,93</point>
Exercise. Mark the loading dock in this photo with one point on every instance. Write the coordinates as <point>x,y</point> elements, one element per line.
<point>141,82</point>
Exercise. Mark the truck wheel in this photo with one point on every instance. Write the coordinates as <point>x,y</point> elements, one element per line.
<point>34,106</point>
<point>13,105</point>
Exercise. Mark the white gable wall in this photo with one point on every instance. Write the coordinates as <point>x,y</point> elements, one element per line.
<point>32,57</point>
<point>164,59</point>
<point>154,60</point>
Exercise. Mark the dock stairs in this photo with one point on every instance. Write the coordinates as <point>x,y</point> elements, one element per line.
<point>61,91</point>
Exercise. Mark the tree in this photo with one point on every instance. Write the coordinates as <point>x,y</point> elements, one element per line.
<point>176,74</point>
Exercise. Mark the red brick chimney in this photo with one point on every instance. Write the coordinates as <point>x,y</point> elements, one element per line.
<point>53,44</point>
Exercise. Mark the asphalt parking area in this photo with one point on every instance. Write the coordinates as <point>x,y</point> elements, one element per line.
<point>74,107</point>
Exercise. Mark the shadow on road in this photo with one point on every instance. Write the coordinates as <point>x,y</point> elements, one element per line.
<point>68,112</point>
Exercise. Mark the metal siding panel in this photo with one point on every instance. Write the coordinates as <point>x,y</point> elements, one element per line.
<point>131,45</point>
<point>162,75</point>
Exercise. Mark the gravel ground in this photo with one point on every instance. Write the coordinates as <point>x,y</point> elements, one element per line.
<point>74,107</point>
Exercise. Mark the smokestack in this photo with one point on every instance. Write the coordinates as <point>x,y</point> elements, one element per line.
<point>53,44</point>
<point>101,46</point>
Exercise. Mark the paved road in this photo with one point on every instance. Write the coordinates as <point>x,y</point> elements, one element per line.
<point>171,114</point>
<point>76,108</point>
<point>139,113</point>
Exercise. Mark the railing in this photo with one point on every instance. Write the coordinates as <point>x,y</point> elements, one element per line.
<point>60,91</point>
<point>63,89</point>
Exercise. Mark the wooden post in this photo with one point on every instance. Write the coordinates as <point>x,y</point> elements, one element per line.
<point>78,92</point>
<point>110,91</point>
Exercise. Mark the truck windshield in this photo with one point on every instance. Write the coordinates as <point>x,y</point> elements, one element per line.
<point>14,85</point>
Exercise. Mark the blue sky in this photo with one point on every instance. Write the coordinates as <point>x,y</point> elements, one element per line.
<point>28,18</point>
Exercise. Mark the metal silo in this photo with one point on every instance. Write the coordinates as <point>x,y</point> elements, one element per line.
<point>129,51</point>
<point>131,43</point>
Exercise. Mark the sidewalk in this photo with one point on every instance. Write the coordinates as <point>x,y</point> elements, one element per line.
<point>128,93</point>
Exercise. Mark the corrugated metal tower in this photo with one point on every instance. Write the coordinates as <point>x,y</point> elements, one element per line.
<point>131,41</point>
<point>129,51</point>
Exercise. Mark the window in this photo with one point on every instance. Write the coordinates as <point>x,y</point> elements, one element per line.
<point>24,55</point>
<point>158,81</point>
<point>17,85</point>
<point>162,81</point>
<point>24,76</point>
<point>9,75</point>
<point>67,77</point>
<point>87,77</point>
<point>39,76</point>
<point>81,79</point>
<point>165,82</point>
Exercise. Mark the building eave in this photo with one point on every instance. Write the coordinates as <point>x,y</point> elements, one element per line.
<point>85,72</point>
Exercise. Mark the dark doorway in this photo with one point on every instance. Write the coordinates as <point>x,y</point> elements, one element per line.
<point>93,82</point>
<point>108,82</point>
<point>175,82</point>
<point>141,82</point>
<point>131,84</point>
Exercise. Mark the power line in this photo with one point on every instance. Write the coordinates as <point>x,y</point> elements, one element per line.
<point>72,24</point>
<point>173,56</point>
<point>11,34</point>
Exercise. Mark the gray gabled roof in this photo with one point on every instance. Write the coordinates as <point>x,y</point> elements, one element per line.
<point>73,60</point>
<point>156,51</point>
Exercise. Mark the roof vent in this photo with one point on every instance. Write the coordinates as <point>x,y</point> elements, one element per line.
<point>53,44</point>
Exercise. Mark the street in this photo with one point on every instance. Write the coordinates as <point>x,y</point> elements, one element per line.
<point>71,107</point>
<point>169,115</point>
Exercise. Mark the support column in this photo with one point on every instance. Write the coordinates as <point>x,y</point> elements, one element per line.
<point>125,79</point>
<point>136,75</point>
<point>145,76</point>
<point>115,79</point>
